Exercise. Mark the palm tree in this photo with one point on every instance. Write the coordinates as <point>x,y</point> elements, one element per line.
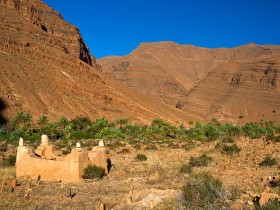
<point>43,121</point>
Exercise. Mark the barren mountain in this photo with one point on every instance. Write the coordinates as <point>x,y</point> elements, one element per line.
<point>232,84</point>
<point>46,69</point>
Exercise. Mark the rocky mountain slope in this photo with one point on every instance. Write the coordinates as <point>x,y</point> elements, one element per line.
<point>46,69</point>
<point>239,84</point>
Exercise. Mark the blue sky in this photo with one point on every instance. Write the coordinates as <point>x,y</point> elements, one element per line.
<point>116,27</point>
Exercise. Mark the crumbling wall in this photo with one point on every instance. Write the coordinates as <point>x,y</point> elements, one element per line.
<point>68,169</point>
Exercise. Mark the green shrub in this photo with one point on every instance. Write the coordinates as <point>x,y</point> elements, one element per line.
<point>3,147</point>
<point>268,161</point>
<point>137,146</point>
<point>10,161</point>
<point>228,139</point>
<point>92,171</point>
<point>186,169</point>
<point>271,205</point>
<point>202,160</point>
<point>277,138</point>
<point>189,145</point>
<point>81,135</point>
<point>141,157</point>
<point>203,192</point>
<point>229,150</point>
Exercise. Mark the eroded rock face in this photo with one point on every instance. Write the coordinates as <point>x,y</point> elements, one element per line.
<point>56,32</point>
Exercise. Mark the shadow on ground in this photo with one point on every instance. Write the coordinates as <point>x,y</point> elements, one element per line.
<point>3,106</point>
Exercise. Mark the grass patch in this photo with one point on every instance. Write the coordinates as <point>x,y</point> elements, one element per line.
<point>203,191</point>
<point>271,205</point>
<point>7,173</point>
<point>93,171</point>
<point>141,157</point>
<point>9,161</point>
<point>202,160</point>
<point>268,161</point>
<point>229,150</point>
<point>186,169</point>
<point>228,139</point>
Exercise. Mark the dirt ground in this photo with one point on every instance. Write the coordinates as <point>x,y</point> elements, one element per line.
<point>152,184</point>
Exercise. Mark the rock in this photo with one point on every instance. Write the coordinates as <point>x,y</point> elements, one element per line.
<point>9,185</point>
<point>265,197</point>
<point>250,203</point>
<point>6,190</point>
<point>37,178</point>
<point>100,206</point>
<point>155,177</point>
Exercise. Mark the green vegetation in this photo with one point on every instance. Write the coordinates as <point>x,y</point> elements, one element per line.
<point>22,125</point>
<point>202,160</point>
<point>92,172</point>
<point>186,169</point>
<point>202,191</point>
<point>268,161</point>
<point>228,149</point>
<point>141,157</point>
<point>271,205</point>
<point>9,161</point>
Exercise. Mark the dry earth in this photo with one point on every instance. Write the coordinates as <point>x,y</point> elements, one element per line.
<point>155,183</point>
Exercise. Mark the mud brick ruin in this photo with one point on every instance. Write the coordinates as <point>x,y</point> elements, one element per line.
<point>46,164</point>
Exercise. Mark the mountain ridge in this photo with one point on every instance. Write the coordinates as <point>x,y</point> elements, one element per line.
<point>243,70</point>
<point>49,71</point>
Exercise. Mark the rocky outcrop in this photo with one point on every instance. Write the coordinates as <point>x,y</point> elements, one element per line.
<point>56,32</point>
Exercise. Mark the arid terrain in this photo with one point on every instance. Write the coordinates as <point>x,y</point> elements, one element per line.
<point>155,183</point>
<point>185,127</point>
<point>47,69</point>
<point>232,84</point>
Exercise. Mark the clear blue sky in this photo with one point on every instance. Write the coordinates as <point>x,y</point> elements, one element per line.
<point>116,27</point>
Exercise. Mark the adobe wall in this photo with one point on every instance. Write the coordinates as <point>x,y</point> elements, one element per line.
<point>56,168</point>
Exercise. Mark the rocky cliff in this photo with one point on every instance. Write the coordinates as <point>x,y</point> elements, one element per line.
<point>46,69</point>
<point>55,32</point>
<point>232,84</point>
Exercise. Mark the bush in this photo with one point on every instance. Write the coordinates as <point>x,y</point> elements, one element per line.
<point>271,205</point>
<point>3,147</point>
<point>186,169</point>
<point>229,150</point>
<point>92,171</point>
<point>202,160</point>
<point>81,135</point>
<point>268,161</point>
<point>10,161</point>
<point>141,157</point>
<point>277,138</point>
<point>202,192</point>
<point>228,139</point>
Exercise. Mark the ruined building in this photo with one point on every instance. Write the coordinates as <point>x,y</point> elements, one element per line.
<point>46,164</point>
